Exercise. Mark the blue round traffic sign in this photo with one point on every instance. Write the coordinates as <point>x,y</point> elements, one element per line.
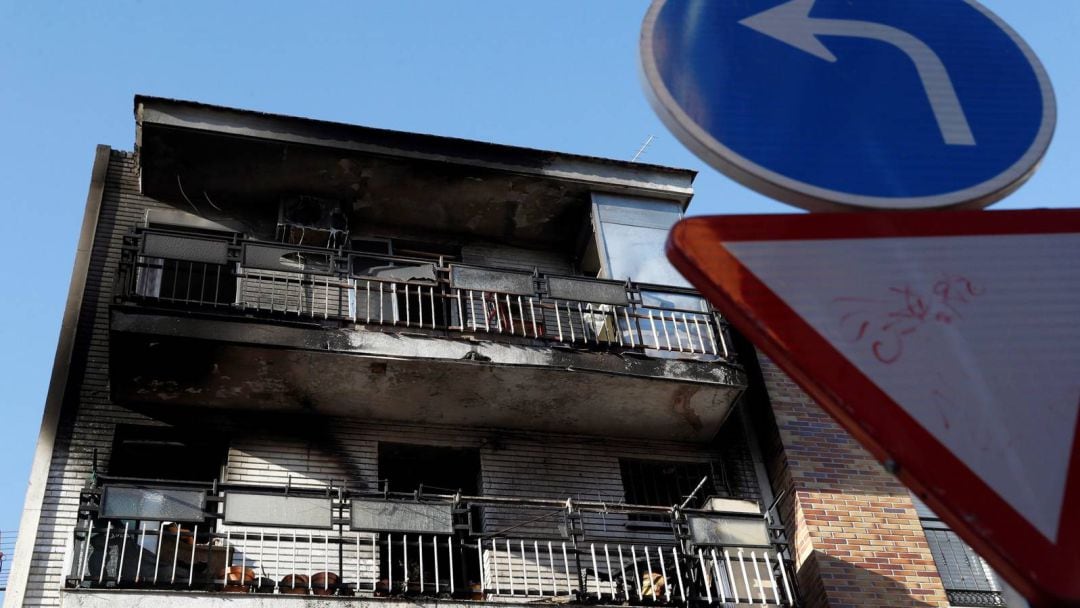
<point>833,103</point>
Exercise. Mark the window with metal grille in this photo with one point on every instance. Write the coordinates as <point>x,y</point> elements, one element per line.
<point>966,577</point>
<point>660,483</point>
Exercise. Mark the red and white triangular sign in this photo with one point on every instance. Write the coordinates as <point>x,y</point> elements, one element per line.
<point>946,342</point>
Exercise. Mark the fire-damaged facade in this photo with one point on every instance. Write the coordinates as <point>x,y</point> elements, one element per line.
<point>306,361</point>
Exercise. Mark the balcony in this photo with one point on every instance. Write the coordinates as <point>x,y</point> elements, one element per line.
<point>222,321</point>
<point>202,541</point>
<point>7,550</point>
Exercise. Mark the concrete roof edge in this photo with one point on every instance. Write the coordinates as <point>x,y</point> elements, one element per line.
<point>603,173</point>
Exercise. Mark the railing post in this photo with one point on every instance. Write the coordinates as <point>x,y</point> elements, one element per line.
<point>510,566</point>
<point>622,573</point>
<point>721,334</point>
<point>431,299</point>
<point>772,575</point>
<point>450,557</point>
<point>539,569</point>
<point>637,573</point>
<point>194,543</point>
<point>509,314</point>
<point>105,553</point>
<point>566,570</point>
<point>607,563</point>
<point>582,590</point>
<point>142,540</point>
<point>569,320</point>
<point>123,549</point>
<point>784,577</point>
<point>558,321</point>
<point>584,330</point>
<point>731,575</point>
<point>596,571</point>
<point>86,550</point>
<point>678,573</point>
<point>551,565</point>
<point>704,576</point>
<point>532,314</point>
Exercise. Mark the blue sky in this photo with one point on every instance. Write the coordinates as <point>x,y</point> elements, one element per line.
<point>556,74</point>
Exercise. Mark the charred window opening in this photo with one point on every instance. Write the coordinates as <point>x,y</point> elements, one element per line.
<point>440,470</point>
<point>660,483</point>
<point>368,265</point>
<point>166,453</point>
<point>423,301</point>
<point>313,221</point>
<point>424,250</point>
<point>405,274</point>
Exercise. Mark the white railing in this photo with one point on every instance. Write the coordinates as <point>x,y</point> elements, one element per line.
<point>632,317</point>
<point>619,572</point>
<point>157,554</point>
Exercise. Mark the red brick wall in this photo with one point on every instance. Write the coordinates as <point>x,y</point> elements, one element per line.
<point>856,535</point>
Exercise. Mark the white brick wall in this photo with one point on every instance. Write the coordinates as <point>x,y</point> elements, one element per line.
<point>513,464</point>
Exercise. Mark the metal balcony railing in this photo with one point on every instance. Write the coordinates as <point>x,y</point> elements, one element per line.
<point>212,555</point>
<point>287,281</point>
<point>7,551</point>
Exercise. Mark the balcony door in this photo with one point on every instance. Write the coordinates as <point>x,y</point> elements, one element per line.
<point>409,468</point>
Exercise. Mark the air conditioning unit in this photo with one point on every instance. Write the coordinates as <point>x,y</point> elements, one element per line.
<point>735,523</point>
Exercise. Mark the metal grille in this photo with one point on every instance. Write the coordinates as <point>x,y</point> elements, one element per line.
<point>959,566</point>
<point>650,482</point>
<point>967,579</point>
<point>975,598</point>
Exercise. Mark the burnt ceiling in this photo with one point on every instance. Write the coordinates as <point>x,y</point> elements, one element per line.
<point>227,174</point>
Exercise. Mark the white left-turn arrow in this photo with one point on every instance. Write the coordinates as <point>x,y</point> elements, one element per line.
<point>792,24</point>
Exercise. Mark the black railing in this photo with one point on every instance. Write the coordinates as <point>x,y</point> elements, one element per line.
<point>975,598</point>
<point>377,545</point>
<point>288,281</point>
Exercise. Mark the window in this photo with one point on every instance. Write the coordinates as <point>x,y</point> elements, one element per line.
<point>967,579</point>
<point>651,482</point>
<point>630,236</point>
<point>417,251</point>
<point>362,265</point>
<point>424,250</point>
<point>398,290</point>
<point>166,453</point>
<point>313,221</point>
<point>405,467</point>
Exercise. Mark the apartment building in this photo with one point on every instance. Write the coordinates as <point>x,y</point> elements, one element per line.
<point>312,362</point>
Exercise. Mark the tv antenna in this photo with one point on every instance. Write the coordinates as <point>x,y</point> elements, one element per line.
<point>641,150</point>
